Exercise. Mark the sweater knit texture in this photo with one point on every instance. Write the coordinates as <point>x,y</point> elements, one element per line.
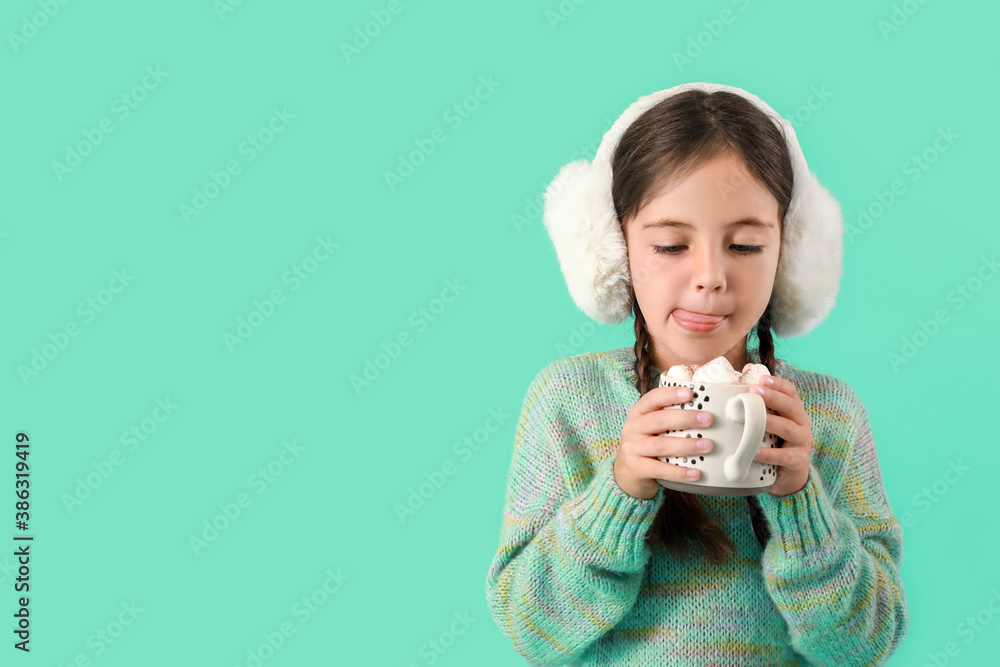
<point>574,582</point>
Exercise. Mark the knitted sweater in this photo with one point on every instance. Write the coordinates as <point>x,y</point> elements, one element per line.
<point>574,583</point>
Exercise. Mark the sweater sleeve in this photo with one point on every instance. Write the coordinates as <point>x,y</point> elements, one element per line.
<point>832,566</point>
<point>570,564</point>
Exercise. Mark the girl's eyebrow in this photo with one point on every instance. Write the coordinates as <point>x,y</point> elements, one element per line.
<point>748,222</point>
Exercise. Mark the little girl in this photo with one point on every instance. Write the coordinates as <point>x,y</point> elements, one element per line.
<point>700,218</point>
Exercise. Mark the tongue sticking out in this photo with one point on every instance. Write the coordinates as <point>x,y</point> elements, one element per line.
<point>697,318</point>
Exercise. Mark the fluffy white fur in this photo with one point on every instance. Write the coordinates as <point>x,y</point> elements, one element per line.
<point>580,218</point>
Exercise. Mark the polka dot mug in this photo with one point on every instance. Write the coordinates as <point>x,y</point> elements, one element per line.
<point>737,433</point>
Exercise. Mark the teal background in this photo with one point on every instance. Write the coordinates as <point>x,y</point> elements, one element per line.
<point>334,506</point>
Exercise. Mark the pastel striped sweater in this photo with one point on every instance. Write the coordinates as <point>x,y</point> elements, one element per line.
<point>574,583</point>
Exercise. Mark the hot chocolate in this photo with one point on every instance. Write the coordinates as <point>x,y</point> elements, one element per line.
<point>719,371</point>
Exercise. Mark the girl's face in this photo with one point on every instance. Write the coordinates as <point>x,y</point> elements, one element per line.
<point>685,254</point>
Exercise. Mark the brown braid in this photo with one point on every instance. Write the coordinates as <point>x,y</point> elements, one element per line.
<point>765,350</point>
<point>681,521</point>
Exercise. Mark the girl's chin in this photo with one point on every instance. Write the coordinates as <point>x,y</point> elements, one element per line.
<point>696,346</point>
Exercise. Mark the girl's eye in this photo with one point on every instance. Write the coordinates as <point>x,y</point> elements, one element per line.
<point>740,249</point>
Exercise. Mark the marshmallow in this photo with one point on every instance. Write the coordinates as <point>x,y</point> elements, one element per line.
<point>754,374</point>
<point>718,371</point>
<point>680,372</point>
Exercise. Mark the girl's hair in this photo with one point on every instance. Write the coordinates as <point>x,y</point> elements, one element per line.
<point>668,142</point>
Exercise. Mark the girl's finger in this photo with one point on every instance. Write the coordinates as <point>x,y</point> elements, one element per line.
<point>775,399</point>
<point>782,427</point>
<point>777,455</point>
<point>783,385</point>
<point>789,405</point>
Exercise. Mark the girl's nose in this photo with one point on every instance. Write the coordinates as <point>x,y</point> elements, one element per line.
<point>709,272</point>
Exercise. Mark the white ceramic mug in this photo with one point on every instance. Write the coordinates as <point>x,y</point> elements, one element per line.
<point>737,433</point>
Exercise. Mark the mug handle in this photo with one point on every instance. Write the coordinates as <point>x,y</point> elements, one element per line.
<point>746,408</point>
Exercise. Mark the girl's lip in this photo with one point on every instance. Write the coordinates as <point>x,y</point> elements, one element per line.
<point>681,318</point>
<point>697,318</point>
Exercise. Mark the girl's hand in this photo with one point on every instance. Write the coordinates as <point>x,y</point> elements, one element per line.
<point>792,424</point>
<point>637,466</point>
